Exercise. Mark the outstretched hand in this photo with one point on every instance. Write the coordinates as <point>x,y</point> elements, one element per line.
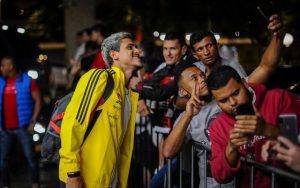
<point>267,150</point>
<point>284,150</point>
<point>194,104</point>
<point>288,153</point>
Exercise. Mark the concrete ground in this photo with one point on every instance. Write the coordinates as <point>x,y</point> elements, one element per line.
<point>21,178</point>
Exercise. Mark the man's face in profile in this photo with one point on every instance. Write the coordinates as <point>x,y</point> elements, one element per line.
<point>129,54</point>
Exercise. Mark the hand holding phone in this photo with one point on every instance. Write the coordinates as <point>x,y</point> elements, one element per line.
<point>288,127</point>
<point>245,109</point>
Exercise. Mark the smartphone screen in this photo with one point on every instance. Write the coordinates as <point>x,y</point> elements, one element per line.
<point>245,109</point>
<point>288,127</point>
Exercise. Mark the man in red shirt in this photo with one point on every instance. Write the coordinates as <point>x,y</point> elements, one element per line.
<point>20,105</point>
<point>233,135</point>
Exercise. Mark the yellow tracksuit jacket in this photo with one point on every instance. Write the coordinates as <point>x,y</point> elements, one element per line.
<point>97,157</point>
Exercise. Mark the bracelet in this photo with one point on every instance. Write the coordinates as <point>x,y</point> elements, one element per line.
<point>73,174</point>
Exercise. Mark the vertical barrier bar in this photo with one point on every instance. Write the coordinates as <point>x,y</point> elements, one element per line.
<point>138,157</point>
<point>149,158</point>
<point>157,143</point>
<point>192,169</point>
<point>252,177</point>
<point>144,169</point>
<point>295,184</point>
<point>180,169</point>
<point>205,168</point>
<point>234,182</point>
<point>160,131</point>
<point>273,180</point>
<point>169,177</point>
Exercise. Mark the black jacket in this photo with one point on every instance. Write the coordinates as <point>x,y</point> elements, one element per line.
<point>161,86</point>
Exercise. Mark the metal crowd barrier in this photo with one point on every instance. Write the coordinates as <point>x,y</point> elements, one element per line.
<point>147,139</point>
<point>155,133</point>
<point>138,176</point>
<point>275,172</point>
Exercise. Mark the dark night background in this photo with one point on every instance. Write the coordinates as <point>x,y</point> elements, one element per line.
<point>44,21</point>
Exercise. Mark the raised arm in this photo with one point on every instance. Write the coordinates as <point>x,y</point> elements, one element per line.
<point>271,56</point>
<point>175,140</point>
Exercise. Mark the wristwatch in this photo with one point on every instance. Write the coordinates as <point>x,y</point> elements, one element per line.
<point>73,174</point>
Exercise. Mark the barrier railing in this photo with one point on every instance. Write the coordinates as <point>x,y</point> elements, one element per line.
<point>275,172</point>
<point>154,134</point>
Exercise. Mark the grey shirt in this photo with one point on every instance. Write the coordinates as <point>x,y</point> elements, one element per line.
<point>238,67</point>
<point>197,129</point>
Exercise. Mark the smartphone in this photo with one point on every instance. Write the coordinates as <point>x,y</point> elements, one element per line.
<point>288,127</point>
<point>245,109</point>
<point>266,9</point>
<point>262,13</point>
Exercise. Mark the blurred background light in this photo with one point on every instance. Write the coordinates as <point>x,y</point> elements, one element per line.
<point>36,137</point>
<point>162,36</point>
<point>288,39</point>
<point>39,128</point>
<point>4,27</point>
<point>188,36</point>
<point>33,74</point>
<point>156,34</point>
<point>21,30</point>
<point>217,36</point>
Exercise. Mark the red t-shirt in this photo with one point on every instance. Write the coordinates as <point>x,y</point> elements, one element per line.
<point>11,120</point>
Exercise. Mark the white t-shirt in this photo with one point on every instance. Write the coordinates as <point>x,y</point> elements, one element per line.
<point>126,116</point>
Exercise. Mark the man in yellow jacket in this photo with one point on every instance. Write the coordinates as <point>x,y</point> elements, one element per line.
<point>103,159</point>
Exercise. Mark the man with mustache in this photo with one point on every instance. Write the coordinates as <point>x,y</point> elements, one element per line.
<point>205,49</point>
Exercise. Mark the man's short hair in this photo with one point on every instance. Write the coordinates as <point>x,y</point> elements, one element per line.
<point>113,42</point>
<point>197,37</point>
<point>220,76</point>
<point>85,30</point>
<point>12,60</point>
<point>179,69</point>
<point>100,28</point>
<point>176,36</point>
<point>79,33</point>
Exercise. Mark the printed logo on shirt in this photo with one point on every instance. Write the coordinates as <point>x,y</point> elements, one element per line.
<point>10,89</point>
<point>248,149</point>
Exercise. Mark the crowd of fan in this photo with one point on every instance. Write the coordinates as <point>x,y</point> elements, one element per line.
<point>195,92</point>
